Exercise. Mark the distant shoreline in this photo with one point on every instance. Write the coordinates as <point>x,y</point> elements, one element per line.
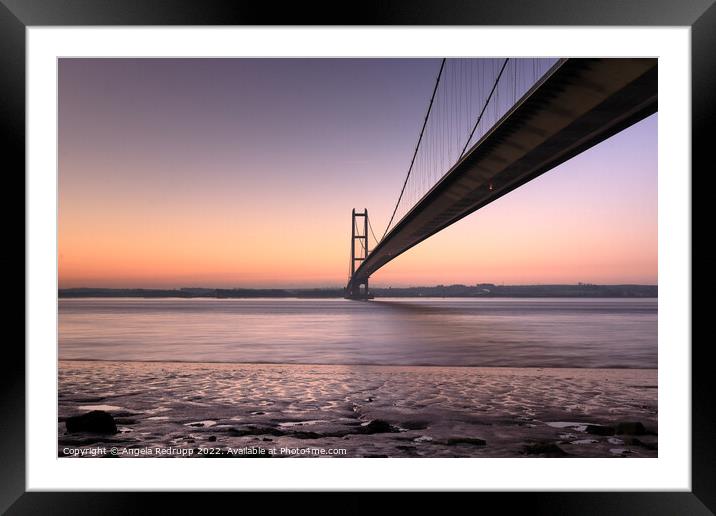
<point>483,290</point>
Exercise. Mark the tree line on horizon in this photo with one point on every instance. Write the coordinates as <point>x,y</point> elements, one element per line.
<point>457,290</point>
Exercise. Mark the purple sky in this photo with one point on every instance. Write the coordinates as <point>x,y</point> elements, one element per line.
<point>243,172</point>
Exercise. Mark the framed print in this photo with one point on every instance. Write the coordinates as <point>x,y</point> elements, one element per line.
<point>507,309</point>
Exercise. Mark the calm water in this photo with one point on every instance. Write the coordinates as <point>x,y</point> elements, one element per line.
<point>475,332</point>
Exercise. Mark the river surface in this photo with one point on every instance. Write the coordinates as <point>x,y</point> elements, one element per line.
<point>575,333</point>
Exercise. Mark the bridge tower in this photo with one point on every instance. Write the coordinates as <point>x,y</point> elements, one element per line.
<point>359,252</point>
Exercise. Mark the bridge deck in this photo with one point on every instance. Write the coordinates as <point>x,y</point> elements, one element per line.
<point>576,105</point>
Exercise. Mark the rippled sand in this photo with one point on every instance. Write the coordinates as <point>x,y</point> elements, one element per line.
<point>368,411</point>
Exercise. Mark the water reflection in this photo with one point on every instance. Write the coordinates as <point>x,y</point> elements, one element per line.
<point>485,332</point>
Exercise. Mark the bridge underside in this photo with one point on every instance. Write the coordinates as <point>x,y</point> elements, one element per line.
<point>578,104</point>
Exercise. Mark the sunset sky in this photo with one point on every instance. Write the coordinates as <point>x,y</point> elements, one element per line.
<point>243,173</point>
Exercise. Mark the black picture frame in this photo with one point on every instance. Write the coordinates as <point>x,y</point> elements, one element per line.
<point>17,15</point>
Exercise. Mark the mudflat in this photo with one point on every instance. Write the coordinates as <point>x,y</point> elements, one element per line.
<point>176,409</point>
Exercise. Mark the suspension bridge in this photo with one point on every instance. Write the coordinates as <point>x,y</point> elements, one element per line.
<point>491,126</point>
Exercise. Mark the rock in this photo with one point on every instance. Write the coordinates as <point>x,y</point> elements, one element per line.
<point>96,421</point>
<point>414,425</point>
<point>212,438</point>
<point>466,440</point>
<point>546,449</point>
<point>599,430</point>
<point>377,426</point>
<point>633,441</point>
<point>630,428</point>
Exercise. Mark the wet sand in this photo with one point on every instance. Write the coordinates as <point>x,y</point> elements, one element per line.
<point>171,409</point>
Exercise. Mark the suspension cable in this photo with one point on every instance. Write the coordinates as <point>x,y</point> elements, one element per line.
<point>482,112</point>
<point>370,226</point>
<point>425,122</point>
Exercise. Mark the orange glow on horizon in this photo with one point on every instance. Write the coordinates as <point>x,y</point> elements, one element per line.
<point>249,181</point>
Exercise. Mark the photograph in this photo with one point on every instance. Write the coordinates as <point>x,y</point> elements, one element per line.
<point>454,238</point>
<point>380,257</point>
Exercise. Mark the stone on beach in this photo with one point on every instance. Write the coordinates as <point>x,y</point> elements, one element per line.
<point>466,440</point>
<point>545,449</point>
<point>96,421</point>
<point>633,441</point>
<point>414,425</point>
<point>377,426</point>
<point>600,430</point>
<point>630,428</point>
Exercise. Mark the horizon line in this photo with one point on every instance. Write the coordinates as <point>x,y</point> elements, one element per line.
<point>579,284</point>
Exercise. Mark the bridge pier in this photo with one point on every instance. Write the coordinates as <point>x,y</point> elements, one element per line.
<point>358,287</point>
<point>358,291</point>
